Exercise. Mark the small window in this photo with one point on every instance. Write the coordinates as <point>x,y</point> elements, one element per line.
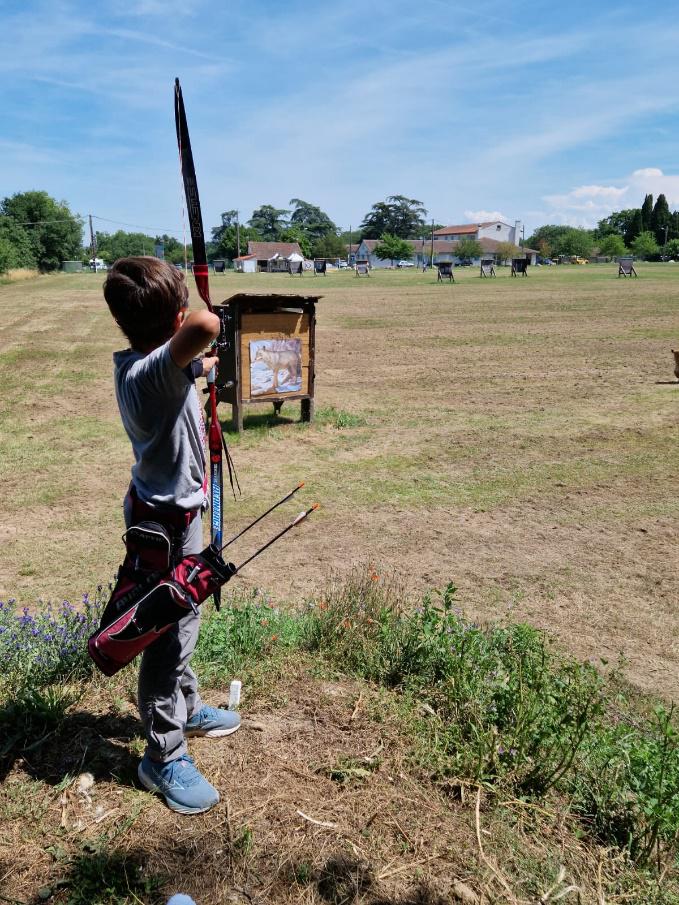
<point>499,226</point>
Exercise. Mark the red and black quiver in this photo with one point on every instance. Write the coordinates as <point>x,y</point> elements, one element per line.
<point>152,593</point>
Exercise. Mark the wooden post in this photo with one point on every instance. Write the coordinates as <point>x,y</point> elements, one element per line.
<point>307,405</point>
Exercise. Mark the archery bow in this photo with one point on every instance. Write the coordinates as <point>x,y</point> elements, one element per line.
<point>217,447</point>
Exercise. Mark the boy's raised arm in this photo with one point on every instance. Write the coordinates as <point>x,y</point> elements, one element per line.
<point>196,333</point>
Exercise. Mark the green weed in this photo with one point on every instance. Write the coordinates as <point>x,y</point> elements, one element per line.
<point>627,785</point>
<point>238,638</point>
<point>108,878</point>
<point>338,418</point>
<point>508,708</point>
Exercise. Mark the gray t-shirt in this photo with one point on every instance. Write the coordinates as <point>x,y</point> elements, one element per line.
<point>160,411</point>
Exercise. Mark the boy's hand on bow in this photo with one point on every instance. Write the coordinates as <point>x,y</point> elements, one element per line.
<point>209,362</point>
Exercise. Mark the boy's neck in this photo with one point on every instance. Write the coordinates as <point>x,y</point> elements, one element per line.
<point>144,350</point>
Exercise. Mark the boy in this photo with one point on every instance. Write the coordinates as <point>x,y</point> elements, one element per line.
<point>159,407</point>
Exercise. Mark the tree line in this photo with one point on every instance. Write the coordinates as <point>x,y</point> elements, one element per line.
<point>38,232</point>
<point>650,231</point>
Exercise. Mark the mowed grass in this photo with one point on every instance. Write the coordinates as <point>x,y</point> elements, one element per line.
<point>516,436</point>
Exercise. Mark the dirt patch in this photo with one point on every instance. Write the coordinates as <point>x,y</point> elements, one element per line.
<point>316,802</point>
<point>320,803</point>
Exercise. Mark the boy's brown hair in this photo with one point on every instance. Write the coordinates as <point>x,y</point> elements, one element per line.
<point>145,295</point>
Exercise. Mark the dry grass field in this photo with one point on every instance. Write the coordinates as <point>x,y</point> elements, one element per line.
<point>515,436</point>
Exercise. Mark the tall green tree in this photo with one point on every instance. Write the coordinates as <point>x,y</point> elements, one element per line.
<point>55,234</point>
<point>20,251</point>
<point>634,229</point>
<point>612,246</point>
<point>673,249</point>
<point>227,245</point>
<point>467,249</point>
<point>545,248</point>
<point>505,251</point>
<point>295,234</point>
<point>225,237</point>
<point>392,248</point>
<point>661,219</point>
<point>269,222</point>
<point>329,246</point>
<point>120,244</point>
<point>6,253</point>
<point>311,220</point>
<point>398,216</point>
<point>577,241</point>
<point>617,222</point>
<point>646,213</point>
<point>645,246</point>
<point>563,240</point>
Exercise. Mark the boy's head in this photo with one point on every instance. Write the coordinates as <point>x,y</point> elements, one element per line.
<point>145,296</point>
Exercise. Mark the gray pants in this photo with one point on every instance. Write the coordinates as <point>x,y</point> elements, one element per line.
<point>168,688</point>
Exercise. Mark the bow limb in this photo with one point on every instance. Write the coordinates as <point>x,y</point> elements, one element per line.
<point>200,273</point>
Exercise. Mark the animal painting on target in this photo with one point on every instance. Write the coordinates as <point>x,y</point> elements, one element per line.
<point>275,366</point>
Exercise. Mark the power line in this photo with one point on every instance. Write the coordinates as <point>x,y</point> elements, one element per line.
<point>152,229</point>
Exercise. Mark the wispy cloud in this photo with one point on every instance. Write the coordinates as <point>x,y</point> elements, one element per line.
<point>477,110</point>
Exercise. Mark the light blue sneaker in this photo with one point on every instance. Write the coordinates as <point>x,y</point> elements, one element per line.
<point>212,722</point>
<point>180,783</point>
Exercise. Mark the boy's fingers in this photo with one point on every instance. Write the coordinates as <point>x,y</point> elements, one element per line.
<point>209,362</point>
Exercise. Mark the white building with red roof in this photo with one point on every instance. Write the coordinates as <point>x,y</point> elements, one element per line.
<point>491,229</point>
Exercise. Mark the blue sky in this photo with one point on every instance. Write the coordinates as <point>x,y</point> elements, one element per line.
<point>479,109</point>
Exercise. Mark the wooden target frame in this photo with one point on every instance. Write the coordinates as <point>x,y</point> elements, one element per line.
<point>248,318</point>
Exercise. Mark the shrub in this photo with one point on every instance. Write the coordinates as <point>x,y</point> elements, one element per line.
<point>626,785</point>
<point>508,707</point>
<point>38,649</point>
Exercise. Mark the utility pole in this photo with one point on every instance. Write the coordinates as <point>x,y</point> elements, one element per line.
<point>93,244</point>
<point>238,233</point>
<point>349,257</point>
<point>432,245</point>
<point>664,248</point>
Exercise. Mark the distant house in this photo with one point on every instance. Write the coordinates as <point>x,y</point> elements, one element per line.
<point>273,256</point>
<point>443,250</point>
<point>245,264</point>
<point>492,229</point>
